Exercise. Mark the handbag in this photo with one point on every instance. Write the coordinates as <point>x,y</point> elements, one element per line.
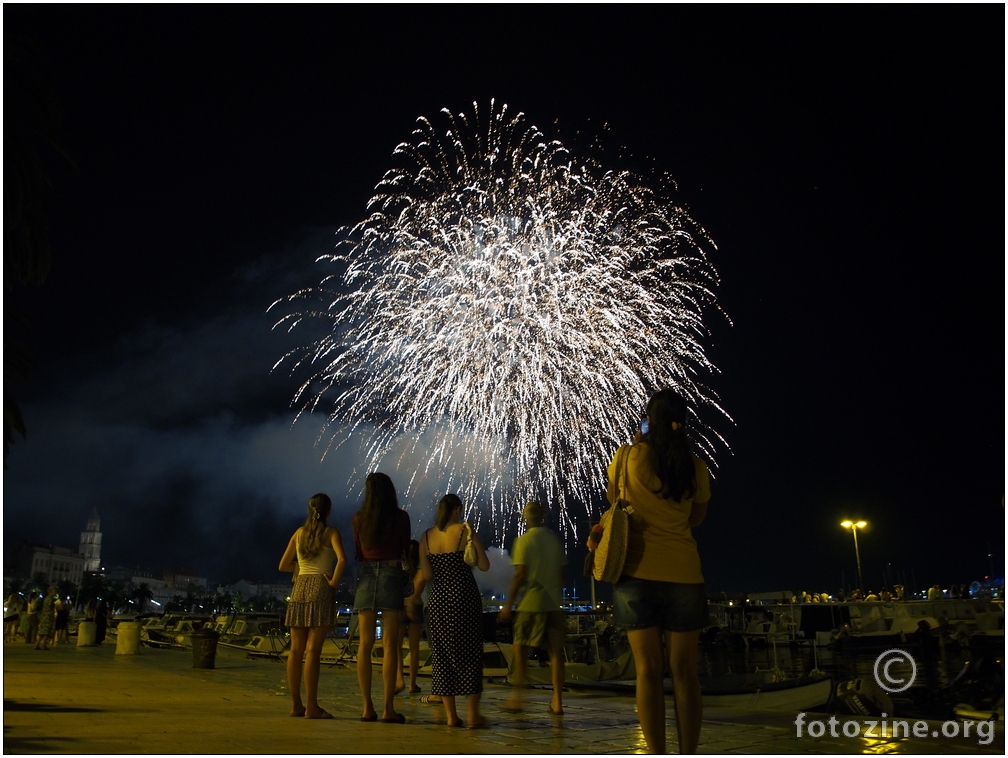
<point>610,554</point>
<point>470,549</point>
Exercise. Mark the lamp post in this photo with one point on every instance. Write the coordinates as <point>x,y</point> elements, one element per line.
<point>854,526</point>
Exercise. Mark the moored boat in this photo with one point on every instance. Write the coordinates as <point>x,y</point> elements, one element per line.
<point>237,630</point>
<point>271,645</point>
<point>173,630</point>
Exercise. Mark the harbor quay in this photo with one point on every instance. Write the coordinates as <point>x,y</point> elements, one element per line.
<point>89,700</point>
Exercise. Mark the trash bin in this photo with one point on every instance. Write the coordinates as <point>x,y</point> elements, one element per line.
<point>204,648</point>
<point>87,633</point>
<point>128,638</point>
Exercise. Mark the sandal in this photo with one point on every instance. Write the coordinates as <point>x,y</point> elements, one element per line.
<point>426,700</point>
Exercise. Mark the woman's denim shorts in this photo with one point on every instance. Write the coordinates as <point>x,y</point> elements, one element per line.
<point>380,586</point>
<point>644,603</point>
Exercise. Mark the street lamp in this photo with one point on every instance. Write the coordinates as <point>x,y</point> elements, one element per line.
<point>854,526</point>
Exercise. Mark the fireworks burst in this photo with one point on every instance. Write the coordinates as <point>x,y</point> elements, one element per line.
<point>502,314</point>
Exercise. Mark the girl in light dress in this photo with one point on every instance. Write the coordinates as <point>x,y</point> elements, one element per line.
<point>311,612</point>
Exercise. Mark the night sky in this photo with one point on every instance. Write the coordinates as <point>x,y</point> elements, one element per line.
<point>847,161</point>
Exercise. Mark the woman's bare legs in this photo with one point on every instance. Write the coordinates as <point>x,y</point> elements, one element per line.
<point>366,628</point>
<point>299,642</point>
<point>473,715</point>
<point>414,655</point>
<point>450,712</point>
<point>400,682</point>
<point>391,653</point>
<point>519,664</point>
<point>312,664</point>
<point>682,652</point>
<point>646,645</point>
<point>558,674</point>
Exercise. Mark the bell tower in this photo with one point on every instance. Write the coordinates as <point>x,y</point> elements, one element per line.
<point>90,543</point>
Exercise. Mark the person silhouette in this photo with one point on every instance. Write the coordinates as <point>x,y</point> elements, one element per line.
<point>539,562</point>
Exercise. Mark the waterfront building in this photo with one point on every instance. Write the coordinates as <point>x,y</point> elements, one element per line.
<point>161,593</point>
<point>90,543</point>
<point>180,580</point>
<point>56,564</point>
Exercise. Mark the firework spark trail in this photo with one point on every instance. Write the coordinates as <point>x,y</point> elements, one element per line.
<point>512,307</point>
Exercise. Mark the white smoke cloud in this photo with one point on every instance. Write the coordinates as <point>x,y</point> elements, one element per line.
<point>498,578</point>
<point>185,444</point>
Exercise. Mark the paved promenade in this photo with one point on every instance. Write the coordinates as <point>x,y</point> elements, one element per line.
<point>91,701</point>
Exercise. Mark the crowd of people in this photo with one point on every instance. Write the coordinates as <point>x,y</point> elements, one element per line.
<point>393,569</point>
<point>660,599</point>
<point>37,618</point>
<point>898,593</point>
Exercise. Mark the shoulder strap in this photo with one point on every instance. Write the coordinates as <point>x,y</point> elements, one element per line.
<point>624,454</point>
<point>619,482</point>
<point>465,526</point>
<point>622,471</point>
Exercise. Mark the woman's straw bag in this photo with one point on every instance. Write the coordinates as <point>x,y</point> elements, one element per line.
<point>469,556</point>
<point>611,551</point>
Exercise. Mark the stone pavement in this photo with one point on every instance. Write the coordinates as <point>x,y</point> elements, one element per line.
<point>92,701</point>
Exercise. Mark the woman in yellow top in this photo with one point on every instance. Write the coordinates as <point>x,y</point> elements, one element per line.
<point>661,593</point>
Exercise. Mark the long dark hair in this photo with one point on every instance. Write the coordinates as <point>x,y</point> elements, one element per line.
<point>374,519</point>
<point>671,456</point>
<point>314,528</point>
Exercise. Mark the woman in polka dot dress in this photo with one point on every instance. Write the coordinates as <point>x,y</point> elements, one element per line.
<point>455,612</point>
